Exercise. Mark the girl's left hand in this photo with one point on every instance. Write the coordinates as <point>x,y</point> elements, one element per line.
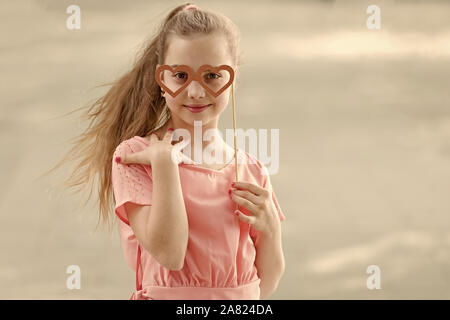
<point>258,202</point>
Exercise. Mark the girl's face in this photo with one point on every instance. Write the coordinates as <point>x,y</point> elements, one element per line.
<point>194,52</point>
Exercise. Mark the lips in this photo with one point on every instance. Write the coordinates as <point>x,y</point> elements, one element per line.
<point>197,107</point>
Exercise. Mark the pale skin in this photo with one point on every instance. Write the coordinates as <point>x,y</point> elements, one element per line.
<point>161,236</point>
<point>264,218</point>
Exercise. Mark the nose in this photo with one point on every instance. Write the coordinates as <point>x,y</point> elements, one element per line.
<point>195,90</point>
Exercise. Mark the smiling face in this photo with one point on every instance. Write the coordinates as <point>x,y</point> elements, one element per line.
<point>195,51</point>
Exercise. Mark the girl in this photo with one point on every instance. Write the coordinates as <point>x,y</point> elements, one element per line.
<point>178,225</point>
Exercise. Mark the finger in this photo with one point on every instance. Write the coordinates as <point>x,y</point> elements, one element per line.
<point>250,186</point>
<point>177,157</point>
<point>154,137</point>
<point>244,203</point>
<point>248,195</point>
<point>168,136</point>
<point>245,218</point>
<point>180,139</point>
<point>186,159</point>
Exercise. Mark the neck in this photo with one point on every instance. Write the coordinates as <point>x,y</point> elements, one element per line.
<point>199,140</point>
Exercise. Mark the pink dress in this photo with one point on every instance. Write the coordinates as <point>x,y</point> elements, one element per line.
<point>220,256</point>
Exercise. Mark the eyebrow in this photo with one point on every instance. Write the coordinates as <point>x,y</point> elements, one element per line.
<point>176,65</point>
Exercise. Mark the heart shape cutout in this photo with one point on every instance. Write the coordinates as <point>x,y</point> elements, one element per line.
<point>192,75</point>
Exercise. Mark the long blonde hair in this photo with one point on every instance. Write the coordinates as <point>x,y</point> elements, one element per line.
<point>134,106</point>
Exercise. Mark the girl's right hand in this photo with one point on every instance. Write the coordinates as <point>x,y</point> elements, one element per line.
<point>158,151</point>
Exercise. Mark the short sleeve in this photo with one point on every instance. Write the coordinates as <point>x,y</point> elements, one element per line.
<point>130,182</point>
<point>268,185</point>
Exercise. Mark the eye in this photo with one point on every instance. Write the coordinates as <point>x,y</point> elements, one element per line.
<point>179,73</point>
<point>213,76</point>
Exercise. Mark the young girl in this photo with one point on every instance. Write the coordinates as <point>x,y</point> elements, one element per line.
<point>179,229</point>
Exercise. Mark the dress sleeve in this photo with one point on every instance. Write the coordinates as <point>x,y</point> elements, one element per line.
<point>130,182</point>
<point>268,185</point>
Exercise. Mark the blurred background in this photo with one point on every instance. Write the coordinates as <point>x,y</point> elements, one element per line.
<point>364,119</point>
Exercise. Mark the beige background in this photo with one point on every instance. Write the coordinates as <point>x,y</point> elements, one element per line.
<point>364,123</point>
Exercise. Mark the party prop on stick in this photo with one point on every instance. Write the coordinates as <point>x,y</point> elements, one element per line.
<point>234,131</point>
<point>167,78</point>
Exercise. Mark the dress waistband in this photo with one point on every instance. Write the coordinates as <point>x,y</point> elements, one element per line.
<point>249,291</point>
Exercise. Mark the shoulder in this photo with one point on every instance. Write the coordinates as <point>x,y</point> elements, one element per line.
<point>253,161</point>
<point>256,167</point>
<point>131,145</point>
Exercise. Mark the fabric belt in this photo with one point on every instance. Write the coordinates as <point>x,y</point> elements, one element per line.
<point>249,291</point>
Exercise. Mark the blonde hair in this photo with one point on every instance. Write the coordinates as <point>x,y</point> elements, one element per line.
<point>134,106</point>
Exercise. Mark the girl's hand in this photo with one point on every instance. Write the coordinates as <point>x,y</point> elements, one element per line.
<point>258,202</point>
<point>158,151</point>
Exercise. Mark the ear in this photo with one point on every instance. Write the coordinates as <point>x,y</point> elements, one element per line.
<point>157,66</point>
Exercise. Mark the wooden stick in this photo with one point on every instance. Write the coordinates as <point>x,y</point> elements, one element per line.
<point>234,130</point>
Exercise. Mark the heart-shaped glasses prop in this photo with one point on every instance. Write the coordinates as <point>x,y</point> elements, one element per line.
<point>223,76</point>
<point>174,80</point>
